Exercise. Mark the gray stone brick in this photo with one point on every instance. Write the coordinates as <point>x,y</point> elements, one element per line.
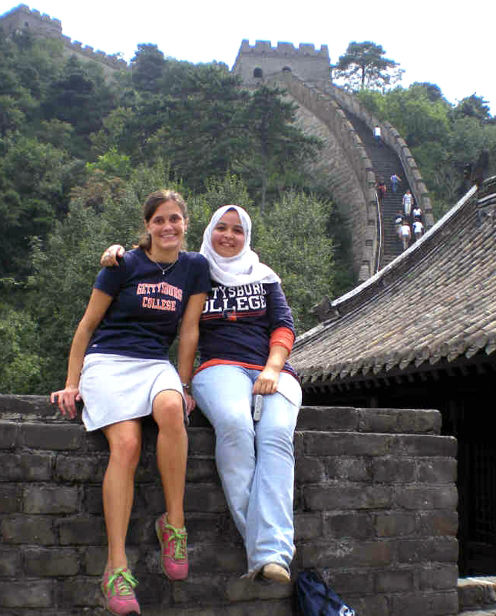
<point>434,604</point>
<point>25,467</point>
<point>395,524</point>
<point>44,499</point>
<point>355,525</point>
<point>439,549</point>
<point>418,498</point>
<point>438,523</point>
<point>27,529</point>
<point>200,589</point>
<point>82,531</point>
<point>348,469</point>
<point>261,608</point>
<point>10,499</point>
<point>202,470</point>
<point>36,594</point>
<point>39,562</point>
<point>393,470</point>
<point>336,497</point>
<point>79,592</point>
<point>201,441</point>
<point>371,605</point>
<point>217,557</point>
<point>349,581</point>
<point>402,421</point>
<point>246,590</point>
<point>52,436</point>
<point>309,470</point>
<point>80,468</point>
<point>438,577</point>
<point>395,581</point>
<point>94,560</point>
<point>436,470</point>
<point>335,419</point>
<point>8,434</point>
<point>92,499</point>
<point>95,441</point>
<point>10,562</point>
<point>308,526</point>
<point>423,445</point>
<point>204,497</point>
<point>34,406</point>
<point>346,553</point>
<point>346,444</point>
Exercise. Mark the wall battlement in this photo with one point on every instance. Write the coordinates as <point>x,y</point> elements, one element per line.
<point>288,49</point>
<point>22,18</point>
<point>256,62</point>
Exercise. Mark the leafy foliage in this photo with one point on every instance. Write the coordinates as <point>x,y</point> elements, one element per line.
<point>363,65</point>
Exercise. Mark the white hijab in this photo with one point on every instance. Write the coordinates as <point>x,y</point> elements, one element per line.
<point>243,268</point>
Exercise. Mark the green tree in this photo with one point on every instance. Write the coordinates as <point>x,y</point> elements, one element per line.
<point>22,360</point>
<point>292,238</point>
<point>278,150</point>
<point>363,65</point>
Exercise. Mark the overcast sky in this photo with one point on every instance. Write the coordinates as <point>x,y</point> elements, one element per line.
<point>450,43</point>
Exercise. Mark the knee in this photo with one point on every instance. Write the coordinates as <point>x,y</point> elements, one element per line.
<point>169,415</point>
<point>125,449</point>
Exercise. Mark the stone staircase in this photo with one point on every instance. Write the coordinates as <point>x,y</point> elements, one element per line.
<point>385,163</point>
<point>477,596</point>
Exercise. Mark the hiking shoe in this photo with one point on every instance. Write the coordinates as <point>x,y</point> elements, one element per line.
<point>276,573</point>
<point>118,589</point>
<point>173,554</point>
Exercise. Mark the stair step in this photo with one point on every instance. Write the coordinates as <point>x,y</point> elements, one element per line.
<point>477,593</point>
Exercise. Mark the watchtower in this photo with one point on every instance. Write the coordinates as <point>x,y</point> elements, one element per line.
<point>254,63</point>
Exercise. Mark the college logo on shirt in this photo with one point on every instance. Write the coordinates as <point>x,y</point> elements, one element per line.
<point>232,303</point>
<point>151,292</point>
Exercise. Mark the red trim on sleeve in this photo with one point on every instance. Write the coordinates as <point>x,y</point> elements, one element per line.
<point>282,336</point>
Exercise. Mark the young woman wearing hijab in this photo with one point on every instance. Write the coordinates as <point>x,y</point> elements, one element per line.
<point>119,366</point>
<point>246,336</point>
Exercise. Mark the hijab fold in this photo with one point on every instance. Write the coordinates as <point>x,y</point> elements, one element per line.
<point>243,268</point>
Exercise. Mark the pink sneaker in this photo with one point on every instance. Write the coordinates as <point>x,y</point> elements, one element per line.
<point>118,590</point>
<point>174,556</point>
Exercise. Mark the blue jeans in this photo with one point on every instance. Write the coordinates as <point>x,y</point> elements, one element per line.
<point>255,460</point>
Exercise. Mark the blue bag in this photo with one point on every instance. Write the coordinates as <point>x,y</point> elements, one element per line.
<point>315,598</point>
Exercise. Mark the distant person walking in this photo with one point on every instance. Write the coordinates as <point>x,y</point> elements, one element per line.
<point>377,134</point>
<point>406,234</point>
<point>418,229</point>
<point>407,203</point>
<point>395,180</point>
<point>381,190</point>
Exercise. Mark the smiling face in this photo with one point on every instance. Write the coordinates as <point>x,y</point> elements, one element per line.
<point>228,236</point>
<point>166,227</point>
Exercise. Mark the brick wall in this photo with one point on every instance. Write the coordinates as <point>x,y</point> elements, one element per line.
<point>349,167</point>
<point>375,510</point>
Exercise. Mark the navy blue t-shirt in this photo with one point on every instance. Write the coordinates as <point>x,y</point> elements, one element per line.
<point>237,322</point>
<point>147,306</point>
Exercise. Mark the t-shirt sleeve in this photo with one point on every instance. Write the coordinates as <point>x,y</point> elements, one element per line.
<point>110,279</point>
<point>200,282</point>
<point>278,309</point>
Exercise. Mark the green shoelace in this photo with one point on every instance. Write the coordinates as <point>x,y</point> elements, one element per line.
<point>180,538</point>
<point>121,582</point>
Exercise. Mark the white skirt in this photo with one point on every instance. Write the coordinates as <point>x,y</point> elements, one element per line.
<point>118,388</point>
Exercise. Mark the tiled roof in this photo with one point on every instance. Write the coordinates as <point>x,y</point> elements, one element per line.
<point>436,301</point>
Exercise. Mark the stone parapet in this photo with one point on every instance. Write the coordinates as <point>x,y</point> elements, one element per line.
<point>393,139</point>
<point>353,180</point>
<point>375,510</point>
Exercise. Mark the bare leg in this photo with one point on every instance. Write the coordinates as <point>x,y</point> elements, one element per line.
<point>172,451</point>
<point>124,440</point>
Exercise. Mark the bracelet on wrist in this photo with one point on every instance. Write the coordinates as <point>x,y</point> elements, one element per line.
<point>186,386</point>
